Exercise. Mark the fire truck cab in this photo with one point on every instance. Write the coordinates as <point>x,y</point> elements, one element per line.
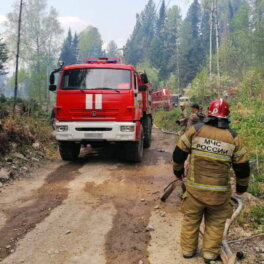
<point>102,100</point>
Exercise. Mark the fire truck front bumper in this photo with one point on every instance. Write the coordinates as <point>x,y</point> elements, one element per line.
<point>95,131</point>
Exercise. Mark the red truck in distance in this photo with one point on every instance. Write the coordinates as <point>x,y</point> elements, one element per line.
<point>162,99</point>
<point>102,100</point>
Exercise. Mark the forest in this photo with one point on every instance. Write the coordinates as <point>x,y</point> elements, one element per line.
<point>216,50</point>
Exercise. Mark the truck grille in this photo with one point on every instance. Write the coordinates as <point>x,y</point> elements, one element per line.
<point>93,129</point>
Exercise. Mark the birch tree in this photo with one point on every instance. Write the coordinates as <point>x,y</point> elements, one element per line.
<point>40,43</point>
<point>112,49</point>
<point>90,43</point>
<point>3,56</point>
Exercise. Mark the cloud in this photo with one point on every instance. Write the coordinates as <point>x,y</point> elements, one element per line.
<point>3,18</point>
<point>74,23</point>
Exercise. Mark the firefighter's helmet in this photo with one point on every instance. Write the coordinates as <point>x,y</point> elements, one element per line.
<point>219,108</point>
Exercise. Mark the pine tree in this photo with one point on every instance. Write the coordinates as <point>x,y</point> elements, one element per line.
<point>67,53</point>
<point>148,21</point>
<point>193,17</point>
<point>75,49</point>
<point>190,47</point>
<point>157,53</point>
<point>205,29</point>
<point>132,50</point>
<point>171,35</point>
<point>161,20</point>
<point>138,44</point>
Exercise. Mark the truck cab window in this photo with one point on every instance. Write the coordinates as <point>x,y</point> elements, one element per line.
<point>76,79</point>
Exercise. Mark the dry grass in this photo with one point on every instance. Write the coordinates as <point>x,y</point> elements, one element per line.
<point>23,131</point>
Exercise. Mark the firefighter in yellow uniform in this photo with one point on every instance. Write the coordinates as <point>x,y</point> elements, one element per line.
<point>214,148</point>
<point>196,117</point>
<point>183,119</point>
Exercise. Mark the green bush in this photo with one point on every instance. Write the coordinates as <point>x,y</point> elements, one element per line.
<point>248,122</point>
<point>166,119</point>
<point>255,189</point>
<point>30,107</point>
<point>254,217</point>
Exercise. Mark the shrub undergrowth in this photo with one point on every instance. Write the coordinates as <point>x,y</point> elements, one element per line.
<point>248,121</point>
<point>166,119</point>
<point>19,131</point>
<point>254,217</point>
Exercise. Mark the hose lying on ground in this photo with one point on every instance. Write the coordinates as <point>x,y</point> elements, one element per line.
<point>165,130</point>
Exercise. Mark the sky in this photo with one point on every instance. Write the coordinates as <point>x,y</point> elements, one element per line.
<point>115,19</point>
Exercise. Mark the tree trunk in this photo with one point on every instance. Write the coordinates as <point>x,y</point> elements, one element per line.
<point>17,55</point>
<point>211,40</point>
<point>217,46</point>
<point>178,68</point>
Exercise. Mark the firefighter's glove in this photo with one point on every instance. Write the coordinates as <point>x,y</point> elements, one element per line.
<point>179,174</point>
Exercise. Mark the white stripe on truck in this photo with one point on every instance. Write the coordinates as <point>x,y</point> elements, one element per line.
<point>89,101</point>
<point>98,101</point>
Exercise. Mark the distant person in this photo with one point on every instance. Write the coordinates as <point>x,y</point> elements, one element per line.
<point>213,148</point>
<point>196,116</point>
<point>183,119</point>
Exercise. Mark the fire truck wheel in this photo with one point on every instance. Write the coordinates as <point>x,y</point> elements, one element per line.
<point>69,150</point>
<point>147,133</point>
<point>121,154</point>
<point>134,150</point>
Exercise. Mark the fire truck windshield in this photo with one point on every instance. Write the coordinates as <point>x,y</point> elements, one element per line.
<point>94,78</point>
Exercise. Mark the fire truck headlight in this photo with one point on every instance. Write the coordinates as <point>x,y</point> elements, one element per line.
<point>61,128</point>
<point>127,128</point>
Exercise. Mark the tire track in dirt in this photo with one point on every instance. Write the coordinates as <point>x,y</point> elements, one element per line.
<point>22,220</point>
<point>134,191</point>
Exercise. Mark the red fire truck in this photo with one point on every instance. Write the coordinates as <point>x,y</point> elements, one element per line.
<point>162,98</point>
<point>102,100</point>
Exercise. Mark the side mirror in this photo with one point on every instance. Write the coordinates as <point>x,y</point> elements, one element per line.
<point>142,88</point>
<point>52,87</point>
<point>52,78</point>
<point>144,77</point>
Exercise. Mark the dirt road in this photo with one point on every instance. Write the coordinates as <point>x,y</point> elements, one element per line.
<point>94,211</point>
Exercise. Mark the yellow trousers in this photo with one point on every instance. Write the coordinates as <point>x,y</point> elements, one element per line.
<point>214,219</point>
